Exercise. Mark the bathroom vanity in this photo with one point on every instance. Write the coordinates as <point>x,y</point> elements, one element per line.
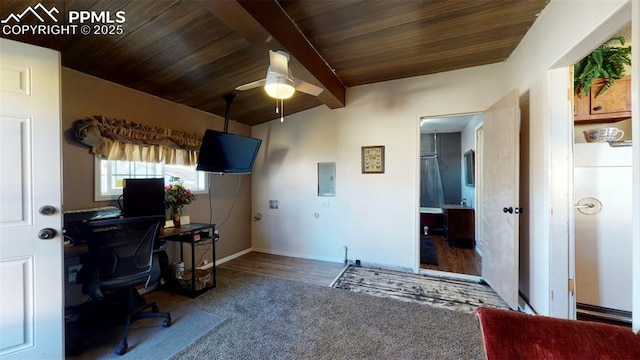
<point>459,225</point>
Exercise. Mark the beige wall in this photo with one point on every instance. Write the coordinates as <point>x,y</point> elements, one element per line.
<point>84,95</point>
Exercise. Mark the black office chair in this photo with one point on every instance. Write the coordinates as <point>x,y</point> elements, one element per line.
<point>121,257</point>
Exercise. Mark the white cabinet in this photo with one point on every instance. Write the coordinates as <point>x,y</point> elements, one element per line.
<point>603,240</point>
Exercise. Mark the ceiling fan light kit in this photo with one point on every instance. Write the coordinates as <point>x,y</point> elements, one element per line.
<point>279,83</point>
<point>278,86</point>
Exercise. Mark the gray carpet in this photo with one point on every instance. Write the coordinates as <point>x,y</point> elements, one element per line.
<point>446,293</point>
<point>270,318</point>
<point>147,338</point>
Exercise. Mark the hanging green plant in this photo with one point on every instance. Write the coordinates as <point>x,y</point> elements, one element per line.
<point>605,62</point>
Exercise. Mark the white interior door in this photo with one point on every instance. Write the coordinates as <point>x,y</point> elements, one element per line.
<point>500,192</point>
<point>31,299</point>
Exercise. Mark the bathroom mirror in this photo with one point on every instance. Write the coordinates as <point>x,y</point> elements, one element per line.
<point>327,179</point>
<point>469,168</point>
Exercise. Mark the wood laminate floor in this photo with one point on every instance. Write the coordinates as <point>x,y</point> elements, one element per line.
<point>290,268</point>
<point>454,259</point>
<point>450,259</point>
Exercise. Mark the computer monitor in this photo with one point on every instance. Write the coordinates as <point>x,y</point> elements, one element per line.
<point>143,197</point>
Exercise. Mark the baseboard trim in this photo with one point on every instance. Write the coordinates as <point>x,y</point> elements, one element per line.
<point>233,256</point>
<point>604,313</point>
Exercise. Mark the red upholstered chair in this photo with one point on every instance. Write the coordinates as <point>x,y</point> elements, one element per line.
<point>511,335</point>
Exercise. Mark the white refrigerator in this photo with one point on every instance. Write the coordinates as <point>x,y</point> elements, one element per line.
<point>603,178</point>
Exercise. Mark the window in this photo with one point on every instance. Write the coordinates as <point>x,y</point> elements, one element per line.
<point>109,175</point>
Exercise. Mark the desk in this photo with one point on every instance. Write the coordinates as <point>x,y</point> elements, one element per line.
<point>205,274</point>
<point>190,234</point>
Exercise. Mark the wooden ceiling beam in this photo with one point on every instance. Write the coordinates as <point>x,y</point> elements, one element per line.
<point>265,25</point>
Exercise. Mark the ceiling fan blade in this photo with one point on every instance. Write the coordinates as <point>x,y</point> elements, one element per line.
<point>251,85</point>
<point>307,88</point>
<point>279,62</point>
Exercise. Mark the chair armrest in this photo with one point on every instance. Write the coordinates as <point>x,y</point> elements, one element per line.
<point>511,335</point>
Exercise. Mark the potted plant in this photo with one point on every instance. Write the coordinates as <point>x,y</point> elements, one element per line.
<point>176,196</point>
<point>605,62</point>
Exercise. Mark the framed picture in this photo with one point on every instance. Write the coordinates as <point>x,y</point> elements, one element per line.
<point>373,159</point>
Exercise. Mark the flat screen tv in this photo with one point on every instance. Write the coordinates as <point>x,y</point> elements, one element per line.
<point>226,153</point>
<point>143,197</point>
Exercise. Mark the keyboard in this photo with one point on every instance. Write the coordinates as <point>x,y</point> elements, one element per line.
<point>106,212</point>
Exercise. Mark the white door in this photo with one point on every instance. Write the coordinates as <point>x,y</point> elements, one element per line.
<point>31,298</point>
<point>500,197</point>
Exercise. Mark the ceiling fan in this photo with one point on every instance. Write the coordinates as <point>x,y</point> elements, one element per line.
<point>279,83</point>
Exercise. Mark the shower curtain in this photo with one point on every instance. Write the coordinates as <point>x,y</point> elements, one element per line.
<point>431,194</point>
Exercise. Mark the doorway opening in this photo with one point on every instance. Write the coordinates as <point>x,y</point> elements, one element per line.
<point>602,182</point>
<point>449,238</point>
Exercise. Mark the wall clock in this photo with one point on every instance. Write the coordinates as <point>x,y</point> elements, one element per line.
<point>373,159</point>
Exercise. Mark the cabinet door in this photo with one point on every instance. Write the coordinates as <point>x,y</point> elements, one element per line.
<point>613,105</point>
<point>615,100</point>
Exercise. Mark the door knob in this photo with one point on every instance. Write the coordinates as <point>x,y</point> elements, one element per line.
<point>508,210</point>
<point>47,210</point>
<point>588,206</point>
<point>47,233</point>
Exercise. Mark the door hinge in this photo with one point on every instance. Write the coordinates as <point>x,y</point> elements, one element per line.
<point>572,286</point>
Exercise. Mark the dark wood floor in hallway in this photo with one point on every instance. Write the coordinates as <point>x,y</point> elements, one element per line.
<point>455,259</point>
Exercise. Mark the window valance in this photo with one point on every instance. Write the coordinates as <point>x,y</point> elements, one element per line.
<point>119,139</point>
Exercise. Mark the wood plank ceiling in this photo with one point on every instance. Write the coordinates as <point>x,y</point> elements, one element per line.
<point>193,52</point>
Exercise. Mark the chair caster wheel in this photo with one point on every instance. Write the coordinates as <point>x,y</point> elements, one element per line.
<point>121,349</point>
<point>166,323</point>
<point>154,308</point>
